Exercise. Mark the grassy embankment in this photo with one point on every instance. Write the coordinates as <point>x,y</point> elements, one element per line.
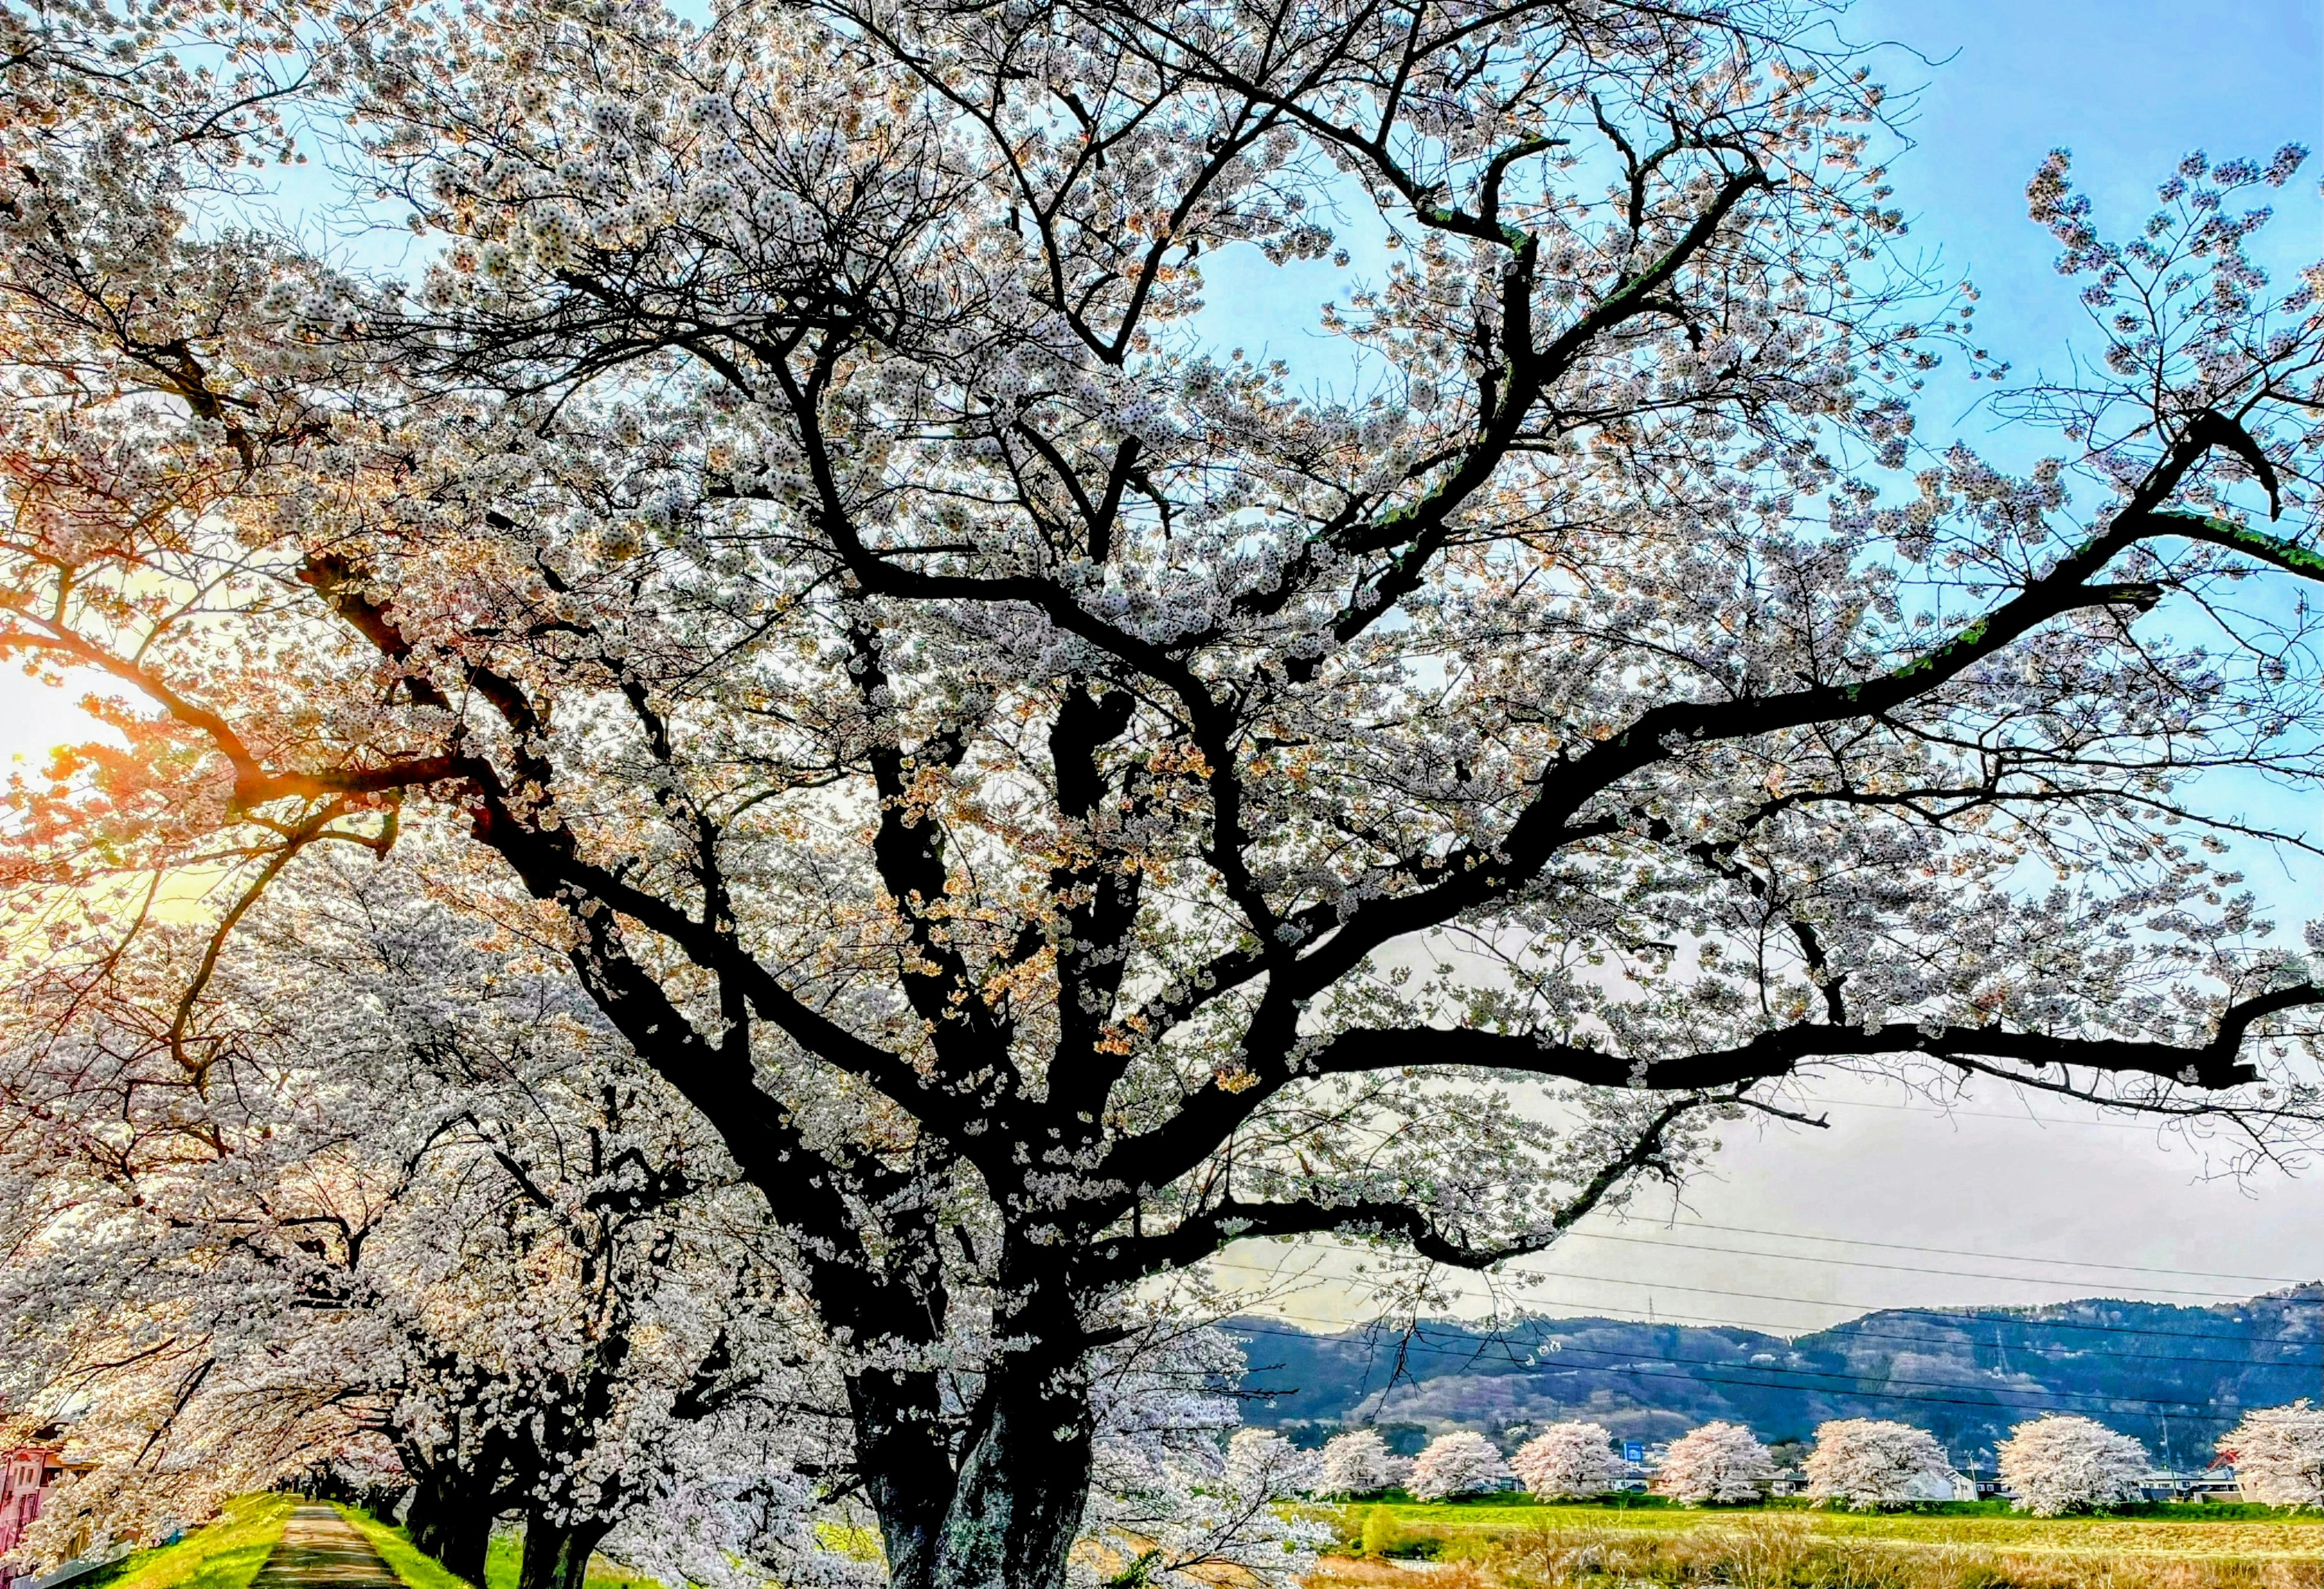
<point>503,1555</point>
<point>1500,1544</point>
<point>416,1569</point>
<point>224,1553</point>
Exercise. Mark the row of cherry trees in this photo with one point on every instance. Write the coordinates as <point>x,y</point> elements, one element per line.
<point>394,1200</point>
<point>1050,794</point>
<point>2051,1464</point>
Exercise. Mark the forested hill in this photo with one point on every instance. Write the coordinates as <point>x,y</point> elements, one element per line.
<point>2174,1377</point>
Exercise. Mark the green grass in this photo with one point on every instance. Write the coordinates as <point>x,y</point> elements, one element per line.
<point>1501,1512</point>
<point>1742,1549</point>
<point>1494,1523</point>
<point>224,1553</point>
<point>503,1556</point>
<point>413,1567</point>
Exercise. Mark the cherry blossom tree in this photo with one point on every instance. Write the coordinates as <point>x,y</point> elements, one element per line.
<point>414,1209</point>
<point>1264,1459</point>
<point>1360,1463</point>
<point>1462,1463</point>
<point>1169,1503</point>
<point>1058,797</point>
<point>2057,1465</point>
<point>1720,1464</point>
<point>234,1433</point>
<point>1865,1463</point>
<point>2278,1455</point>
<point>1568,1459</point>
<point>742,1510</point>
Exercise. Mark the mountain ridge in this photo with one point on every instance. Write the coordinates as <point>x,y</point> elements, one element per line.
<point>2174,1377</point>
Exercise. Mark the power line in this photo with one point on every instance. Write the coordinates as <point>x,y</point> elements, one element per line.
<point>1857,1332</point>
<point>1967,1274</point>
<point>1861,1308</point>
<point>1773,1377</point>
<point>1745,1229</point>
<point>2154,1123</point>
<point>1996,1313</point>
<point>2050,1399</point>
<point>2003,1312</point>
<point>1879,1334</point>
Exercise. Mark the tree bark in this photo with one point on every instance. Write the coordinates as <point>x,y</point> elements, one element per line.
<point>420,1517</point>
<point>451,1518</point>
<point>1019,1500</point>
<point>556,1555</point>
<point>906,1471</point>
<point>465,1542</point>
<point>1007,1518</point>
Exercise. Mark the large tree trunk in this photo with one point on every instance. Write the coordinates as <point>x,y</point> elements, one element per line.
<point>907,1478</point>
<point>465,1541</point>
<point>1008,1518</point>
<point>556,1555</point>
<point>420,1516</point>
<point>1019,1500</point>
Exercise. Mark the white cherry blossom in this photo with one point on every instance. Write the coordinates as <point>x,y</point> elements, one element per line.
<point>1462,1463</point>
<point>2060,1464</point>
<point>1720,1464</point>
<point>2278,1455</point>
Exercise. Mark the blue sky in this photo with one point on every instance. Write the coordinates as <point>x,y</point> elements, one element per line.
<point>2129,86</point>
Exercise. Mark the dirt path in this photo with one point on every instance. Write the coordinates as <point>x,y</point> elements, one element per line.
<point>319,1548</point>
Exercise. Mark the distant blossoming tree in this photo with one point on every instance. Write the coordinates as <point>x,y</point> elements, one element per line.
<point>2059,1464</point>
<point>1262,1459</point>
<point>1179,1496</point>
<point>2278,1452</point>
<point>1360,1462</point>
<point>1463,1463</point>
<point>1568,1459</point>
<point>1864,1463</point>
<point>792,544</point>
<point>1720,1464</point>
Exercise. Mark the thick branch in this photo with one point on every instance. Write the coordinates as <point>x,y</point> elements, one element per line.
<point>1232,1220</point>
<point>1214,1110</point>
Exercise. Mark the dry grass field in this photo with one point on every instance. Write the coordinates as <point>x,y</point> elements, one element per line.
<point>1578,1547</point>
